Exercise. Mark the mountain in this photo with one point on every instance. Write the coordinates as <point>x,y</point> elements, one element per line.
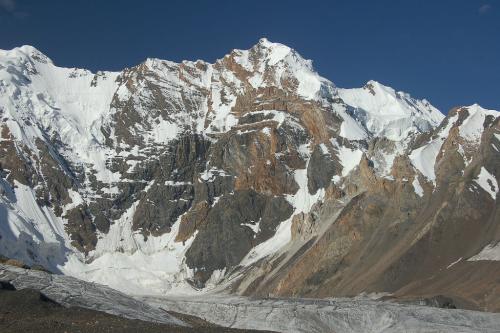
<point>252,175</point>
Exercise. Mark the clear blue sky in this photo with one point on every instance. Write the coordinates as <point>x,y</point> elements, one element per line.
<point>447,51</point>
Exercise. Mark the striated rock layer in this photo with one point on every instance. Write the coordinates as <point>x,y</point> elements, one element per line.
<point>252,174</point>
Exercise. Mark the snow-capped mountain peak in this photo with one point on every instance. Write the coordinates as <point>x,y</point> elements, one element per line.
<point>141,169</point>
<point>389,113</point>
<point>472,124</point>
<point>25,52</point>
<point>275,51</point>
<point>275,64</point>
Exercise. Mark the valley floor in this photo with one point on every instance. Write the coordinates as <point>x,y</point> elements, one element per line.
<point>28,310</point>
<point>329,315</point>
<point>36,301</point>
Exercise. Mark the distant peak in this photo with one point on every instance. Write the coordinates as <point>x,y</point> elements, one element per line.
<point>376,87</point>
<point>478,108</point>
<point>375,83</point>
<point>269,52</point>
<point>475,106</point>
<point>265,42</point>
<point>29,51</point>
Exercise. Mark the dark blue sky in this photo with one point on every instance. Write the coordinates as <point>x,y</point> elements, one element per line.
<point>447,51</point>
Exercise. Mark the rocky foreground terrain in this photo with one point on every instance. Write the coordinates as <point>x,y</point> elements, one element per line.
<point>252,175</point>
<point>36,301</point>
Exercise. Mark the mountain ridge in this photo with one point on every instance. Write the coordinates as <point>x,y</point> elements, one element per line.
<point>191,176</point>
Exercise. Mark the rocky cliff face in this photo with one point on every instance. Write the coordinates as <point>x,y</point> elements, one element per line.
<point>253,173</point>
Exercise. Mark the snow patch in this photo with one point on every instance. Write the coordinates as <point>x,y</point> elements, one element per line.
<point>255,227</point>
<point>490,252</point>
<point>164,131</point>
<point>454,263</point>
<point>417,187</point>
<point>349,158</point>
<point>126,261</point>
<point>302,202</point>
<point>350,128</point>
<point>266,131</point>
<point>424,158</point>
<point>472,127</point>
<point>488,182</point>
<point>210,174</point>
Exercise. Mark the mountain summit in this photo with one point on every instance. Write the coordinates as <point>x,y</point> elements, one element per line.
<point>252,174</point>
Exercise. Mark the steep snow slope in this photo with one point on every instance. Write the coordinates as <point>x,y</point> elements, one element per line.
<point>68,102</point>
<point>470,123</point>
<point>424,158</point>
<point>385,112</point>
<point>473,126</point>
